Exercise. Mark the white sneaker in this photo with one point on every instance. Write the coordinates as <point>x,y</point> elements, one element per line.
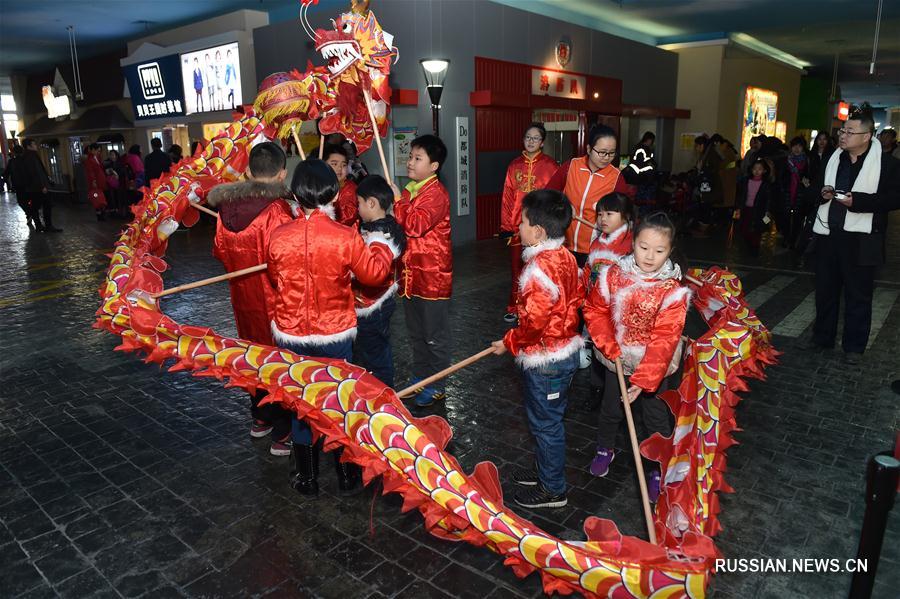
<point>584,356</point>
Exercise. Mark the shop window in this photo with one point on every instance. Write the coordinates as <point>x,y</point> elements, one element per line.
<point>7,103</point>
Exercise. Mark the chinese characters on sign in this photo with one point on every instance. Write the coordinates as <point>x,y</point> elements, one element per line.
<point>560,85</point>
<point>463,182</point>
<point>159,108</point>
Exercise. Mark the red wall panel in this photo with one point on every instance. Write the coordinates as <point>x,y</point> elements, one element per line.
<point>487,215</point>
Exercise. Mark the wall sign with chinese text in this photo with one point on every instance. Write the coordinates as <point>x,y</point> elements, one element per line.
<point>155,88</point>
<point>555,83</point>
<point>463,182</point>
<point>563,52</point>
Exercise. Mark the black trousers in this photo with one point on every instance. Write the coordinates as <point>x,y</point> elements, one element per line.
<point>428,326</point>
<point>40,202</point>
<point>838,272</point>
<point>273,414</point>
<point>655,412</point>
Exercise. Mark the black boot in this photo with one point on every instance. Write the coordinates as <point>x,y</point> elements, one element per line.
<point>349,475</point>
<point>305,469</point>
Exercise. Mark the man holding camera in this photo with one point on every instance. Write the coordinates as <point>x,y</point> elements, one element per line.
<point>859,186</point>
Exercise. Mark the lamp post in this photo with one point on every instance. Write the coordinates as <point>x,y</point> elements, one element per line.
<point>435,70</point>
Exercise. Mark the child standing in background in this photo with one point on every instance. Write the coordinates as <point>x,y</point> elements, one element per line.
<point>345,207</point>
<point>636,312</point>
<point>426,280</point>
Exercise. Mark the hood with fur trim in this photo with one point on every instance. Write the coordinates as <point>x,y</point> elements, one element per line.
<point>241,202</point>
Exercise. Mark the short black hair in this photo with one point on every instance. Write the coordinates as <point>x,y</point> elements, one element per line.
<point>433,146</point>
<point>540,127</point>
<point>156,143</point>
<point>659,221</point>
<point>94,146</point>
<point>598,132</point>
<point>648,136</point>
<point>314,184</point>
<point>267,159</point>
<point>889,133</point>
<point>374,186</point>
<point>549,209</point>
<point>798,141</point>
<point>28,141</point>
<point>617,202</point>
<point>135,149</point>
<point>334,149</point>
<point>863,114</point>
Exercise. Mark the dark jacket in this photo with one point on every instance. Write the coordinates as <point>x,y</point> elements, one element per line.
<point>869,248</point>
<point>763,202</point>
<point>390,227</point>
<point>15,175</point>
<point>36,178</point>
<point>156,163</point>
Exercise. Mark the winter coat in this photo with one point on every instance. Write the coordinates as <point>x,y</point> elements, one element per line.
<point>249,212</point>
<point>550,295</point>
<point>369,298</point>
<point>523,176</point>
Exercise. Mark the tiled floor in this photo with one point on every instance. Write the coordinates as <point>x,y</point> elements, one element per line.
<point>118,479</point>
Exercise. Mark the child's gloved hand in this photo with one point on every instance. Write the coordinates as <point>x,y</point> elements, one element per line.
<point>498,346</point>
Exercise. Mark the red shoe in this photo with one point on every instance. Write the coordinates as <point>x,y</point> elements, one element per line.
<point>260,429</point>
<point>281,448</point>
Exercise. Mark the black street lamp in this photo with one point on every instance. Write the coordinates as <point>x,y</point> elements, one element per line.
<point>435,70</point>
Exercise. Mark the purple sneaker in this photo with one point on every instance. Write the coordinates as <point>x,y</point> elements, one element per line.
<point>601,462</point>
<point>653,486</point>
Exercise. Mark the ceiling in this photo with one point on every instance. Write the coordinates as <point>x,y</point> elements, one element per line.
<point>33,32</point>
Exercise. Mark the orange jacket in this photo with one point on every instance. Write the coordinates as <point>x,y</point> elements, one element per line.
<point>248,214</point>
<point>638,319</point>
<point>584,188</point>
<point>427,263</point>
<point>310,264</point>
<point>523,176</point>
<point>550,294</point>
<point>346,206</point>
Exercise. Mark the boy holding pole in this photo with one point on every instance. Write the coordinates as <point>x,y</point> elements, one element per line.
<point>546,342</point>
<point>249,211</point>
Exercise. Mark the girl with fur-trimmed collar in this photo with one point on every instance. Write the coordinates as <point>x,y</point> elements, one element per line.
<point>636,312</point>
<point>612,237</point>
<point>547,341</point>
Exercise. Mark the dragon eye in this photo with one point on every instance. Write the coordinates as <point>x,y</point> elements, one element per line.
<point>347,28</point>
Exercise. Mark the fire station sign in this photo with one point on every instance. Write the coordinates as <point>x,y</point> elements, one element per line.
<point>463,181</point>
<point>546,82</point>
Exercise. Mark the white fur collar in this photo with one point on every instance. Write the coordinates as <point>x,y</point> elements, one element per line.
<point>611,238</point>
<point>548,244</point>
<point>669,270</point>
<point>328,209</point>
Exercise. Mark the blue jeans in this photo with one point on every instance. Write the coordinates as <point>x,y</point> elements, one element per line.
<point>546,396</point>
<point>343,350</point>
<point>373,343</point>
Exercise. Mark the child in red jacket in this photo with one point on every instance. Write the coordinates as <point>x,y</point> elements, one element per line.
<point>612,240</point>
<point>547,341</point>
<point>345,206</point>
<point>375,303</point>
<point>311,262</point>
<point>636,312</point>
<point>249,211</point>
<point>427,264</point>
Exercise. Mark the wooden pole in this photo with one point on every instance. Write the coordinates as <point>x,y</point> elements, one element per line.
<point>203,208</point>
<point>321,146</point>
<point>297,141</point>
<point>445,372</point>
<point>211,280</point>
<point>387,174</point>
<point>584,221</point>
<point>691,279</point>
<point>645,498</point>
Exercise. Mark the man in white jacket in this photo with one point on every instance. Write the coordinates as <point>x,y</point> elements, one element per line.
<point>859,186</point>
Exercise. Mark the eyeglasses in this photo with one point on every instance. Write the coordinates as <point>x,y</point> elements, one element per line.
<point>604,154</point>
<point>845,132</point>
<point>535,139</point>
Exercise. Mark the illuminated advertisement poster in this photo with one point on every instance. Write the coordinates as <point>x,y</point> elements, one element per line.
<point>758,117</point>
<point>211,79</point>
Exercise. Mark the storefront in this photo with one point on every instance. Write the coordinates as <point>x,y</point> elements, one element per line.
<point>184,86</point>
